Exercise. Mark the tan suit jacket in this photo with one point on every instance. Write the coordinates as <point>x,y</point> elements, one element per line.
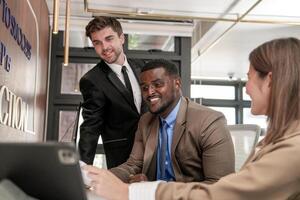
<point>272,173</point>
<point>201,150</point>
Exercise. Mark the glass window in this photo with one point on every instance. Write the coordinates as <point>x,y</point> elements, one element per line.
<point>79,40</point>
<point>212,92</point>
<point>229,113</point>
<point>245,95</point>
<point>151,42</point>
<point>260,120</point>
<point>71,75</point>
<point>100,161</point>
<point>67,121</point>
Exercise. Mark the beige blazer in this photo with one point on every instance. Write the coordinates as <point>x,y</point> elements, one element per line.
<point>202,148</point>
<point>272,173</point>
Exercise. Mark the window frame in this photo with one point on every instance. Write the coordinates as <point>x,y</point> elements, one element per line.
<point>238,103</point>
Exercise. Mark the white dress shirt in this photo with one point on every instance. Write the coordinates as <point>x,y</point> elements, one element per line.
<point>143,190</point>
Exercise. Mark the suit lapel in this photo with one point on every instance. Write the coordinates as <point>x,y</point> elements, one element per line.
<point>179,129</point>
<point>136,70</point>
<point>116,82</point>
<point>151,146</point>
<point>152,141</point>
<point>262,150</point>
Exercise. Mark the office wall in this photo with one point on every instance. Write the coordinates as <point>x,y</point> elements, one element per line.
<point>24,46</point>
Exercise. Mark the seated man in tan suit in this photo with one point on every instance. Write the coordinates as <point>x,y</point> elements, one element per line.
<point>272,170</point>
<point>178,140</point>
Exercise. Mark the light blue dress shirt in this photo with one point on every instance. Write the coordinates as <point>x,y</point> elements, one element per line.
<point>170,120</point>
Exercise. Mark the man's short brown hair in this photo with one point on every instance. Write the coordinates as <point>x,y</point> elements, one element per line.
<point>99,23</point>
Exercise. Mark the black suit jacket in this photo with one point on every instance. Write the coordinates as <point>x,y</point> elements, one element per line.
<point>109,110</point>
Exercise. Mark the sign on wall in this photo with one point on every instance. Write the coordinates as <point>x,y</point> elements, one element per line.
<point>19,42</point>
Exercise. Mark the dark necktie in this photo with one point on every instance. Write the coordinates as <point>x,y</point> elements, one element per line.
<point>164,146</point>
<point>127,81</point>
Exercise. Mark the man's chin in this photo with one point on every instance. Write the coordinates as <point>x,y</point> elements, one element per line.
<point>109,61</point>
<point>155,112</point>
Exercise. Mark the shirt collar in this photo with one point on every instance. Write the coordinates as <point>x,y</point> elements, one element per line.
<point>117,68</point>
<point>170,119</point>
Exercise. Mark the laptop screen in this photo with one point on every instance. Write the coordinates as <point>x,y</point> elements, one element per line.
<point>45,171</point>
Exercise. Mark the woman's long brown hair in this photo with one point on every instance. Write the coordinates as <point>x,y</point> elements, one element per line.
<point>282,58</point>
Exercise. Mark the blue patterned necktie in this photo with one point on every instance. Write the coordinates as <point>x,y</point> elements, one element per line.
<point>164,145</point>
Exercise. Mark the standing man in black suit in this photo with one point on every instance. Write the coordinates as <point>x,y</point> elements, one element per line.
<point>111,94</point>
